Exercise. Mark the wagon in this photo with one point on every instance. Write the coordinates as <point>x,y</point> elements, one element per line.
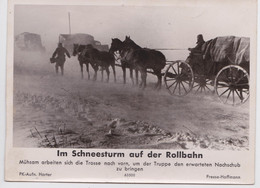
<point>222,67</point>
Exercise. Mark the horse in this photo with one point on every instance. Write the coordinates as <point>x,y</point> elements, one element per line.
<point>143,59</point>
<point>77,50</point>
<point>99,59</point>
<point>118,45</point>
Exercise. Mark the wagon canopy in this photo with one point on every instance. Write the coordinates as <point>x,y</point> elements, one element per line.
<point>80,38</point>
<point>231,49</point>
<point>29,42</point>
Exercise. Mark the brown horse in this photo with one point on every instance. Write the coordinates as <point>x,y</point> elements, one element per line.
<point>118,45</point>
<point>143,59</point>
<point>99,59</point>
<point>78,50</point>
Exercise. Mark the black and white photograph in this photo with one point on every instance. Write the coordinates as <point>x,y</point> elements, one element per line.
<point>130,77</point>
<point>178,78</point>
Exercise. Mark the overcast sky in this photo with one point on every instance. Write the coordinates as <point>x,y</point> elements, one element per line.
<point>149,26</point>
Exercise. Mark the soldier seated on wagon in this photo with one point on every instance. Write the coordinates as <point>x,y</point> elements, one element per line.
<point>196,58</point>
<point>197,49</point>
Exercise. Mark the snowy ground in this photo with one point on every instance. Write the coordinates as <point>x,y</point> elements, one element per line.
<point>55,111</point>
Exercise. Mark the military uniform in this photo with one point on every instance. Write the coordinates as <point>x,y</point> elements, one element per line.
<point>60,59</point>
<point>197,48</point>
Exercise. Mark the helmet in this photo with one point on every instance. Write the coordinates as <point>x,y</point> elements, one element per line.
<point>200,38</point>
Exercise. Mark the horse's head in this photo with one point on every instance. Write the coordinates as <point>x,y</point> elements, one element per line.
<point>129,43</point>
<point>116,45</point>
<point>75,49</point>
<point>128,40</point>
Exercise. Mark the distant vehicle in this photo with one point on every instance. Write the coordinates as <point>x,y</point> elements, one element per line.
<point>29,42</point>
<point>68,41</point>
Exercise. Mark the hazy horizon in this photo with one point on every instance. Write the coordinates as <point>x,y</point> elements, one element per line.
<point>148,26</point>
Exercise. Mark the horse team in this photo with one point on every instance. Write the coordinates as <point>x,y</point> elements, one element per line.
<point>132,56</point>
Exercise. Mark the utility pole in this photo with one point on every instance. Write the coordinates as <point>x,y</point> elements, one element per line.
<point>69,23</point>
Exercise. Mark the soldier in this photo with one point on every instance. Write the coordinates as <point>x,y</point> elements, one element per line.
<point>197,56</point>
<point>60,59</point>
<point>197,48</point>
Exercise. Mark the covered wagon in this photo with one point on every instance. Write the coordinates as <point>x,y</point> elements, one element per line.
<point>29,42</point>
<point>223,63</point>
<point>68,40</point>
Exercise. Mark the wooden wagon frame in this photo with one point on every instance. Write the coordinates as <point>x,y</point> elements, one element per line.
<point>231,84</point>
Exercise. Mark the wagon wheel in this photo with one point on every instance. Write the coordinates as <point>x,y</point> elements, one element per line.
<point>232,85</point>
<point>179,78</point>
<point>202,84</point>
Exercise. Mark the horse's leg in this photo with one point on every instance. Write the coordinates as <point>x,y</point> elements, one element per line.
<point>95,69</point>
<point>87,68</point>
<point>156,73</point>
<point>124,74</point>
<point>159,82</point>
<point>102,74</point>
<point>131,75</point>
<point>81,68</point>
<point>144,78</point>
<point>136,76</point>
<point>114,72</point>
<point>95,75</point>
<point>107,70</point>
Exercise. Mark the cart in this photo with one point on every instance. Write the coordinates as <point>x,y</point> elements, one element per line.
<point>225,69</point>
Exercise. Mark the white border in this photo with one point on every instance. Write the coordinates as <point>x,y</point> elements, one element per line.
<point>3,28</point>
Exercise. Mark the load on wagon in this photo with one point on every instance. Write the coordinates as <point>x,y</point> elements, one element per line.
<point>223,63</point>
<point>68,40</point>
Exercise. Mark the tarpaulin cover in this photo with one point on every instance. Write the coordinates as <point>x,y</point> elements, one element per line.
<point>231,49</point>
<point>79,38</point>
<point>29,42</point>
